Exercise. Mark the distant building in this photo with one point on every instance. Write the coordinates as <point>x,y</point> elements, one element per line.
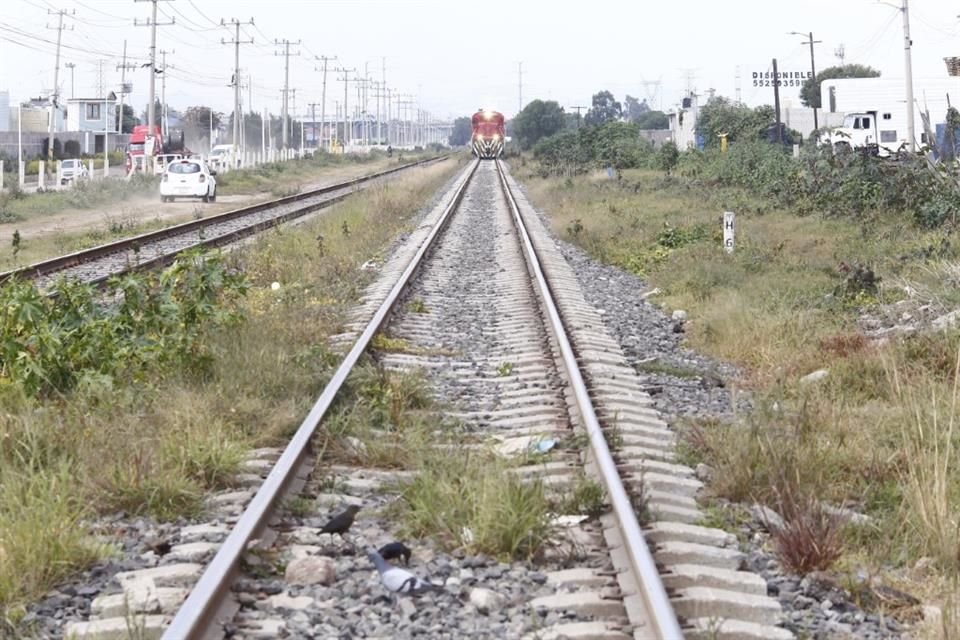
<point>92,114</point>
<point>30,119</point>
<point>4,110</point>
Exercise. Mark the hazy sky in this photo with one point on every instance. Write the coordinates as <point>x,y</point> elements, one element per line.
<point>457,56</point>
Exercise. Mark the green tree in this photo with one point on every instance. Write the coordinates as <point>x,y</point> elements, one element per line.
<point>738,121</point>
<point>199,118</point>
<point>538,120</point>
<point>668,157</point>
<point>130,119</point>
<point>462,131</point>
<point>605,108</point>
<point>653,120</point>
<point>810,91</point>
<point>633,109</point>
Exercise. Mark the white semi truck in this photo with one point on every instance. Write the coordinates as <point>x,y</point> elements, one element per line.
<point>875,111</point>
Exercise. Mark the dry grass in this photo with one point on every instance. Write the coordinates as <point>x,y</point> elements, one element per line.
<point>877,434</point>
<point>157,446</point>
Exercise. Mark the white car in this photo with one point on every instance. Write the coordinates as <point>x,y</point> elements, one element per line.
<point>222,155</point>
<point>72,169</point>
<point>160,162</point>
<point>188,179</point>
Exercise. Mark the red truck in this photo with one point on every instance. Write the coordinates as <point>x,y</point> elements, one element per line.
<point>136,147</point>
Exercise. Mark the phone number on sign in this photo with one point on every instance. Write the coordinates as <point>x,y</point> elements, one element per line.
<point>783,83</point>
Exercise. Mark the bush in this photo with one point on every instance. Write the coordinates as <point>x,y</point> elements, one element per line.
<point>50,343</point>
<point>612,144</point>
<point>843,184</point>
<point>71,149</point>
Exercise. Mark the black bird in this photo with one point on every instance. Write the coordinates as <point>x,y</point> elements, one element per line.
<point>341,523</point>
<point>395,550</point>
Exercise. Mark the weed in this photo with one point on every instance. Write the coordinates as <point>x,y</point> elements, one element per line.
<point>300,507</point>
<point>204,451</point>
<point>931,489</point>
<point>475,501</point>
<point>811,539</point>
<point>382,342</point>
<point>139,484</point>
<point>42,537</point>
<point>505,369</point>
<point>417,306</point>
<point>586,497</point>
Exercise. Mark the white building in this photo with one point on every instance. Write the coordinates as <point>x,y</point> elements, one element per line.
<point>683,123</point>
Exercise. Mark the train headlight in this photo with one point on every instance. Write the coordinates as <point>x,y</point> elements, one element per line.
<point>496,137</point>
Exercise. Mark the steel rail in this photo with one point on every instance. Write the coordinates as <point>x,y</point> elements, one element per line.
<point>196,618</point>
<point>663,620</point>
<point>59,263</point>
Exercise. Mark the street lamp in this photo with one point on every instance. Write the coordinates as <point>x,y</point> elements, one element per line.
<point>813,70</point>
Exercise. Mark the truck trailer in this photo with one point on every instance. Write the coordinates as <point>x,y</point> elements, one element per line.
<point>875,112</point>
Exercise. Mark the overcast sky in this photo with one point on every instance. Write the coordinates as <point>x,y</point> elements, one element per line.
<point>456,56</point>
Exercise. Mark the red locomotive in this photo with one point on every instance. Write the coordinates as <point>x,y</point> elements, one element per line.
<point>488,132</point>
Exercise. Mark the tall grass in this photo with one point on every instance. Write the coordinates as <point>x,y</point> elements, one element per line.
<point>930,479</point>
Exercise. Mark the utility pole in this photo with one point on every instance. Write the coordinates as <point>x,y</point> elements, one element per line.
<point>907,46</point>
<point>579,108</point>
<point>519,87</point>
<point>383,85</point>
<point>164,131</point>
<point>123,84</point>
<point>776,100</point>
<point>404,107</point>
<point>347,134</point>
<point>365,86</point>
<point>71,66</point>
<point>237,108</point>
<point>323,97</point>
<point>313,127</point>
<point>813,70</point>
<point>286,84</point>
<point>151,107</point>
<point>294,91</point>
<point>378,90</point>
<point>55,96</point>
<point>389,102</point>
<point>101,83</point>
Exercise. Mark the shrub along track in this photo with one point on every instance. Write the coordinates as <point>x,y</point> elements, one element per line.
<point>159,248</point>
<point>498,323</point>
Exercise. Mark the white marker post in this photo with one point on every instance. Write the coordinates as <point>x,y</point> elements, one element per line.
<point>728,231</point>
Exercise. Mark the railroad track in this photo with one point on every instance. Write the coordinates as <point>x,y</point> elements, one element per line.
<point>159,248</point>
<point>496,290</point>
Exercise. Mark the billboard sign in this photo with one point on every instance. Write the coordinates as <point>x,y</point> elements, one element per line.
<point>786,78</point>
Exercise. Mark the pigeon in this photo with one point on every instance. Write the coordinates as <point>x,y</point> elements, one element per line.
<point>341,523</point>
<point>396,579</point>
<point>395,550</point>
